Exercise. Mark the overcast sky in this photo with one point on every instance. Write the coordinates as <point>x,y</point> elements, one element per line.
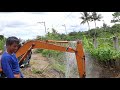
<point>25,25</point>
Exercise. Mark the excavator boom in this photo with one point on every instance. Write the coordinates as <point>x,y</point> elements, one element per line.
<point>49,44</point>
<point>42,45</point>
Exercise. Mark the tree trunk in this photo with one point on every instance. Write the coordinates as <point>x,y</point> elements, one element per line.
<point>95,42</point>
<point>95,39</point>
<point>88,26</point>
<point>118,18</point>
<point>95,23</point>
<point>115,43</point>
<point>95,28</point>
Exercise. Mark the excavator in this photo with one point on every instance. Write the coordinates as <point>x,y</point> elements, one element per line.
<point>26,48</point>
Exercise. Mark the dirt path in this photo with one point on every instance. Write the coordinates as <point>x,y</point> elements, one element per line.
<point>40,67</point>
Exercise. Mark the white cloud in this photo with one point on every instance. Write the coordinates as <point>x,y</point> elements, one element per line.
<point>25,26</point>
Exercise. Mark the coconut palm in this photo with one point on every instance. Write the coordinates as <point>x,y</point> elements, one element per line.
<point>116,17</point>
<point>95,17</point>
<point>85,18</point>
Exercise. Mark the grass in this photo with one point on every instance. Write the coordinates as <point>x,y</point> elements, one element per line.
<point>56,59</point>
<point>35,71</point>
<point>57,66</point>
<point>1,44</point>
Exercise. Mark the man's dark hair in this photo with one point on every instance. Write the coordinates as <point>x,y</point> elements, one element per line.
<point>11,40</point>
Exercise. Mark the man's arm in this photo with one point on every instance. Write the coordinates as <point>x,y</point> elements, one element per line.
<point>17,75</point>
<point>5,62</point>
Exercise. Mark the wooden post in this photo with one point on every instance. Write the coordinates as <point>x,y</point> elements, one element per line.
<point>115,43</point>
<point>95,42</point>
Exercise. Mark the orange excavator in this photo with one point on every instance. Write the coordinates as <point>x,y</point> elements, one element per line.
<point>24,50</point>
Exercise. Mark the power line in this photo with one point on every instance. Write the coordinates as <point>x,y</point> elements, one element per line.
<point>64,19</point>
<point>71,19</point>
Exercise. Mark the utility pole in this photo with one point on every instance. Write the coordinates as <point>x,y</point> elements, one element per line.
<point>65,28</point>
<point>44,26</point>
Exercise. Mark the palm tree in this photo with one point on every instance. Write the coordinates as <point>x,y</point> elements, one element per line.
<point>116,17</point>
<point>104,25</point>
<point>95,17</point>
<point>85,18</point>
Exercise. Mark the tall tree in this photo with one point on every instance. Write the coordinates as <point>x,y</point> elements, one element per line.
<point>104,25</point>
<point>95,17</point>
<point>115,29</point>
<point>85,18</point>
<point>116,17</point>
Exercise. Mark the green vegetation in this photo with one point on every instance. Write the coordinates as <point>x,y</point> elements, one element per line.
<point>56,57</point>
<point>35,71</point>
<point>105,51</point>
<point>39,51</point>
<point>2,42</point>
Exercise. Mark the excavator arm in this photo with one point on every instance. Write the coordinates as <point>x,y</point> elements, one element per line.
<point>42,45</point>
<point>80,57</point>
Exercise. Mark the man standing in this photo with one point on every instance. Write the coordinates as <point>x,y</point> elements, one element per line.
<point>9,62</point>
